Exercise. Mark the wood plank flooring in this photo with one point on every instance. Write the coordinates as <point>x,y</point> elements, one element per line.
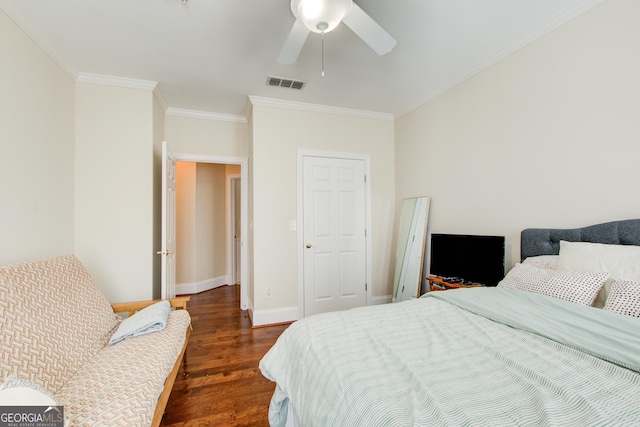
<point>221,384</point>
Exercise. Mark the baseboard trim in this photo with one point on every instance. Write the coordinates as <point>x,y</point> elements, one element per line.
<point>273,316</point>
<point>201,286</point>
<point>250,311</point>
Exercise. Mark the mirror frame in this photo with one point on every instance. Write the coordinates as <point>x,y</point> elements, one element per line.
<point>412,236</point>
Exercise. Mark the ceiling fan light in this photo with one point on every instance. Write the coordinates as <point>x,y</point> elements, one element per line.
<point>320,15</point>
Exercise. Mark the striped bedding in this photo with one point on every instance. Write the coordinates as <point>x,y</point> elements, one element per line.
<point>468,357</point>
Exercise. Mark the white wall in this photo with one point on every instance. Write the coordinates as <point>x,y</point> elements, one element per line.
<point>548,137</point>
<point>114,174</point>
<point>277,135</point>
<point>36,144</point>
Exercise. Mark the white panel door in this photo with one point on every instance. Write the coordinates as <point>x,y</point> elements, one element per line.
<point>334,232</point>
<point>168,251</point>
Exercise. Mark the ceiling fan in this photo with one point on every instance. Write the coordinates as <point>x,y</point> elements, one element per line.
<point>322,16</point>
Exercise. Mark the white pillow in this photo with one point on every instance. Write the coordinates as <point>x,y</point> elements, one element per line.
<point>542,261</point>
<point>23,392</point>
<point>526,278</point>
<point>624,298</point>
<point>574,286</point>
<point>620,261</point>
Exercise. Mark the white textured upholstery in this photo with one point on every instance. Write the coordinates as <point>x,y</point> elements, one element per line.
<point>121,385</point>
<point>54,320</point>
<point>55,325</point>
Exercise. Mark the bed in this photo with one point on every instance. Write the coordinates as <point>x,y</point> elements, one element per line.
<point>532,351</point>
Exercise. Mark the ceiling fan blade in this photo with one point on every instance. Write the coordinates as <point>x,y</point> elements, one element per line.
<point>293,44</point>
<point>369,30</point>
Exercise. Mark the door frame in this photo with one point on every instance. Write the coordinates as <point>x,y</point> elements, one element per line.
<point>244,210</point>
<point>231,211</point>
<point>302,153</point>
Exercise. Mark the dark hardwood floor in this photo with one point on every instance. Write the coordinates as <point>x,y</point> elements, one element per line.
<point>221,384</point>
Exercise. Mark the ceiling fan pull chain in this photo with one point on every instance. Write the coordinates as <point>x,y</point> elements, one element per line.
<point>322,73</point>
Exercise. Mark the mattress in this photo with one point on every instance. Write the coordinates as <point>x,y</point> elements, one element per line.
<point>480,356</point>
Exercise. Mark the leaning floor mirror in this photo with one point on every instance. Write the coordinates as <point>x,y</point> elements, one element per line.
<point>410,253</point>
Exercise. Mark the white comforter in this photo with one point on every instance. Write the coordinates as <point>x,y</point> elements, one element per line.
<point>428,362</point>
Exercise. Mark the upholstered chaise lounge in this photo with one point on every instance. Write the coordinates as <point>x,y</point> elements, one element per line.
<point>55,327</point>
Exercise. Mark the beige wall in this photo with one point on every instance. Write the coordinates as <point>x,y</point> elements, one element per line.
<point>548,137</point>
<point>211,221</point>
<point>37,104</point>
<point>232,169</point>
<point>278,134</point>
<point>206,137</point>
<point>185,222</point>
<point>114,189</point>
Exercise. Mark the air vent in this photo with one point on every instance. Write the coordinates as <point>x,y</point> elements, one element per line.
<point>284,82</point>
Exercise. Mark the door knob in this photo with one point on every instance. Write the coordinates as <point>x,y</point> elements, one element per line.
<point>308,245</point>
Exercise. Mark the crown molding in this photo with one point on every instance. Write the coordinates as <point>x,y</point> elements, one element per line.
<point>125,82</point>
<point>25,24</point>
<point>539,31</point>
<point>294,105</point>
<point>194,114</point>
<point>158,94</point>
<point>557,20</point>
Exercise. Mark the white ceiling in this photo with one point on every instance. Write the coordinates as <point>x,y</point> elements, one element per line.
<point>210,55</point>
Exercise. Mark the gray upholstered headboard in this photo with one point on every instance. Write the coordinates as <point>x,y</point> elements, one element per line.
<point>546,241</point>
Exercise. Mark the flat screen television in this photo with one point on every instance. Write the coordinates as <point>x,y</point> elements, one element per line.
<point>471,258</point>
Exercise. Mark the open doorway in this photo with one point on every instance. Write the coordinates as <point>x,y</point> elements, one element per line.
<point>211,200</point>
